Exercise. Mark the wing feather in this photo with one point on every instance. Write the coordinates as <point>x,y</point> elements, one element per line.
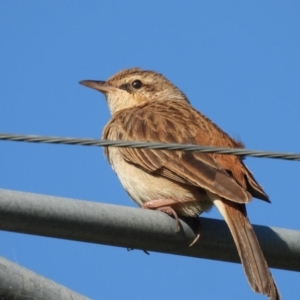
<point>176,122</point>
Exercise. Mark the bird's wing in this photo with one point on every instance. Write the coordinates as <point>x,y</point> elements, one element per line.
<point>175,122</point>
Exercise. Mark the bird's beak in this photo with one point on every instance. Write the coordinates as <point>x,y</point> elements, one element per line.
<point>101,86</point>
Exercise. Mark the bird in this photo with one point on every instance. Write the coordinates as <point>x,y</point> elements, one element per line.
<point>146,106</point>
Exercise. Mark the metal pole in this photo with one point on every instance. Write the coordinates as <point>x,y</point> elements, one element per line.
<point>137,228</point>
<point>18,283</point>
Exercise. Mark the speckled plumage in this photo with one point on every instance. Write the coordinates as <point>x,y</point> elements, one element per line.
<point>145,106</point>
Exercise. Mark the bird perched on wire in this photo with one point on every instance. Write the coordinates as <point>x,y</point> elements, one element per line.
<point>145,106</point>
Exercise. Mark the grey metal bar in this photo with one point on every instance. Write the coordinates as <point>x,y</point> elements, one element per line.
<point>18,283</point>
<point>136,228</point>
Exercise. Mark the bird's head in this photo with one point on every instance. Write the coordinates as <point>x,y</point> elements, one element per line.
<point>133,87</point>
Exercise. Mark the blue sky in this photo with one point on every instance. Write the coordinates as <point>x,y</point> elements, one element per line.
<point>237,61</point>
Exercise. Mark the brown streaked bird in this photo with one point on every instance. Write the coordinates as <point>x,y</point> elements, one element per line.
<point>145,106</point>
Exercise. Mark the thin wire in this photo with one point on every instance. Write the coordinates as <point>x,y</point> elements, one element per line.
<point>157,146</point>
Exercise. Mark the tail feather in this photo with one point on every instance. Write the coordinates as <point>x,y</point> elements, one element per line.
<point>254,263</point>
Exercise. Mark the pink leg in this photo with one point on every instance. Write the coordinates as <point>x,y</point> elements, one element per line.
<point>155,204</point>
<point>163,205</point>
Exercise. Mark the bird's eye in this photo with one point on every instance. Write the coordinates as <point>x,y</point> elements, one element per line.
<point>137,84</point>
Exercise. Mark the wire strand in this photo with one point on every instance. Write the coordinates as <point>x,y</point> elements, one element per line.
<point>140,144</point>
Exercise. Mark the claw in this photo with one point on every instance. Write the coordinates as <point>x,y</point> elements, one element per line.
<point>198,233</point>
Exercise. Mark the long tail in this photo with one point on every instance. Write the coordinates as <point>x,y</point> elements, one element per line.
<point>253,260</point>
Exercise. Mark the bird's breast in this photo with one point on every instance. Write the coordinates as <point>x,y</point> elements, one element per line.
<point>143,187</point>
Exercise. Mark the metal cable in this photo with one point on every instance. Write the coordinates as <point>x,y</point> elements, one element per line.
<point>139,144</point>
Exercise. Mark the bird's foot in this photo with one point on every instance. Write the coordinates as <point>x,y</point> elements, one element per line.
<point>164,205</point>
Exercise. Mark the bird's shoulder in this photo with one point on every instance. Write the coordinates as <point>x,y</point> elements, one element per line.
<point>179,120</point>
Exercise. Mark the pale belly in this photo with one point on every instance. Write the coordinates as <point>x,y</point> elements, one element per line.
<point>143,187</point>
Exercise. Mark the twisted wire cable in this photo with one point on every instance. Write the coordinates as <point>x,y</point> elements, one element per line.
<point>151,145</point>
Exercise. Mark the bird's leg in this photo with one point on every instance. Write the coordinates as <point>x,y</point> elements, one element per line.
<point>163,205</point>
<point>155,204</point>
